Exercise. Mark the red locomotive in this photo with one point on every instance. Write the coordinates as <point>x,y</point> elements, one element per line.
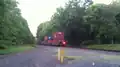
<point>56,39</point>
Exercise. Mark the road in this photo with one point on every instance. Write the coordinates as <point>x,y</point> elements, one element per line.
<point>45,56</point>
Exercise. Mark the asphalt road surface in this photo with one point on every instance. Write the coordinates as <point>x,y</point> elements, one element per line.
<point>45,56</point>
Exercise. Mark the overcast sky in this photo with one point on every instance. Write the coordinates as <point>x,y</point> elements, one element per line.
<point>38,11</point>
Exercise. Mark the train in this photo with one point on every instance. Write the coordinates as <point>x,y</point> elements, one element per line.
<point>56,39</point>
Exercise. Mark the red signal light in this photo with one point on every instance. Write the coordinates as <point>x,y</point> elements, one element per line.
<point>64,42</point>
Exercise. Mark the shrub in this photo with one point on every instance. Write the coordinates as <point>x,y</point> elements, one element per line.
<point>88,42</point>
<point>5,43</point>
<point>2,46</point>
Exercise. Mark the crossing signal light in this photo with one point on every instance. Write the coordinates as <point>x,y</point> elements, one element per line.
<point>64,42</point>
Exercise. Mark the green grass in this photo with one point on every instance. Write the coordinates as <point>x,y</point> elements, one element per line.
<point>15,49</point>
<point>105,46</point>
<point>112,57</point>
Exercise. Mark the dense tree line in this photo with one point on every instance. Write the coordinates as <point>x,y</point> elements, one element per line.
<point>82,21</point>
<point>13,27</point>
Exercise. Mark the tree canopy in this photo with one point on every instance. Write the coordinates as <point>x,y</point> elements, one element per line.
<point>14,29</point>
<point>84,21</point>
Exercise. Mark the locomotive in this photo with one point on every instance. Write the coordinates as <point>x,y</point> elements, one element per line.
<point>57,39</point>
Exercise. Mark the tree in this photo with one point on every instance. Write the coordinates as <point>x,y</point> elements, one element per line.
<point>81,22</point>
<point>102,21</point>
<point>69,20</point>
<point>13,27</point>
<point>118,17</point>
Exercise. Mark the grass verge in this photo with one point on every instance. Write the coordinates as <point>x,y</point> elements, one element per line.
<point>105,47</point>
<point>15,49</point>
<point>111,57</point>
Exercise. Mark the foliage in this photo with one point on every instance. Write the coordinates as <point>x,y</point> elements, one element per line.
<point>105,46</point>
<point>15,49</point>
<point>80,22</point>
<point>88,42</point>
<point>13,27</point>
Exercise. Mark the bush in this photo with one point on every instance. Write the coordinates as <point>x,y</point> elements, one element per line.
<point>5,43</point>
<point>33,45</point>
<point>88,42</point>
<point>105,46</point>
<point>3,46</point>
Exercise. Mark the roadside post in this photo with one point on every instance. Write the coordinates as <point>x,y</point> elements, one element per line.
<point>58,54</point>
<point>61,54</point>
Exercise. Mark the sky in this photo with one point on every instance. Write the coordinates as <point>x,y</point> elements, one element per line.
<point>38,11</point>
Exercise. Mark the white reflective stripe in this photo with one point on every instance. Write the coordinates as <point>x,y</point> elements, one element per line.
<point>58,53</point>
<point>93,63</point>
